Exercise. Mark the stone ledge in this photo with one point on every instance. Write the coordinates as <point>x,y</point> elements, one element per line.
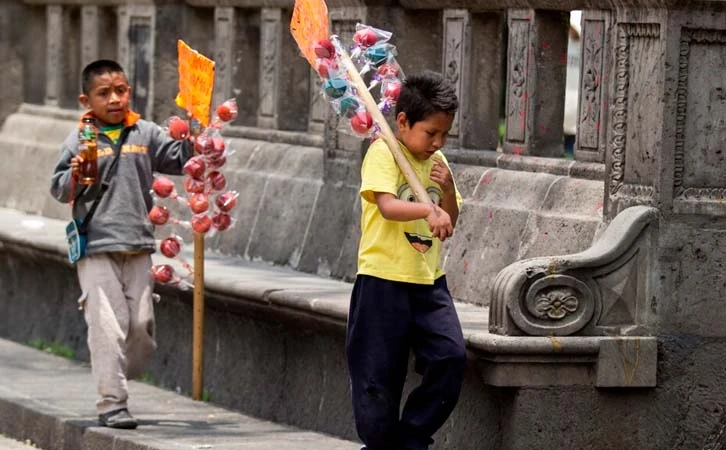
<point>314,301</point>
<point>571,360</point>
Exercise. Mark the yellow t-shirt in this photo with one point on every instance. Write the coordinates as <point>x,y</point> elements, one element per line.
<point>393,250</point>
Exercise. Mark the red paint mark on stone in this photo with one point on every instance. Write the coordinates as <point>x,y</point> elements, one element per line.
<point>487,178</point>
<point>545,45</point>
<point>491,215</point>
<point>466,265</point>
<point>518,149</point>
<point>598,206</point>
<point>563,58</point>
<point>597,126</point>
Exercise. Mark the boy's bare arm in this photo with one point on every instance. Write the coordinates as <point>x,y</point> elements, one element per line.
<point>441,175</point>
<point>393,208</point>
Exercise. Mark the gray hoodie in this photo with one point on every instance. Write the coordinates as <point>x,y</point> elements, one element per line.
<point>121,223</point>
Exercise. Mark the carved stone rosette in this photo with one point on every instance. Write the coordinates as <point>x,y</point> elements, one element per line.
<point>600,291</point>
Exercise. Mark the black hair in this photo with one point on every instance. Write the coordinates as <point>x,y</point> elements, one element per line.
<point>425,94</point>
<point>96,68</point>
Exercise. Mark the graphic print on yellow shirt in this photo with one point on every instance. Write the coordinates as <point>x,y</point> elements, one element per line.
<point>394,250</point>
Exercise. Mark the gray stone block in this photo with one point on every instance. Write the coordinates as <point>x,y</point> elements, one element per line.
<point>627,362</point>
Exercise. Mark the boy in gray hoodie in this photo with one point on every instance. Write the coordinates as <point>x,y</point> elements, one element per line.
<point>115,275</point>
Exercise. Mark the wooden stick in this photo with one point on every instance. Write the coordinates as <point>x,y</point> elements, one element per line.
<point>198,331</point>
<point>388,136</point>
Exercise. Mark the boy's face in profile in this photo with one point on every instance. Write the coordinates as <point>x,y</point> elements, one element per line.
<point>108,97</point>
<point>426,136</point>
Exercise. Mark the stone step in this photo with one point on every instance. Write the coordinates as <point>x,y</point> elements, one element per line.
<point>50,401</point>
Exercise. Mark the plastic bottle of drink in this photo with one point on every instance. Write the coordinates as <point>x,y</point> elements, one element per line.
<point>88,150</point>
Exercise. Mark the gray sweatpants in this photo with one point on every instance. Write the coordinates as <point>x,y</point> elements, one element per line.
<point>118,308</point>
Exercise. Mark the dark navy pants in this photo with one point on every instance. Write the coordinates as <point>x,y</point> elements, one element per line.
<point>387,320</point>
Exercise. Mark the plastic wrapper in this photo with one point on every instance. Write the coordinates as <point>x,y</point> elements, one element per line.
<point>373,55</point>
<point>199,203</point>
<point>201,223</point>
<point>159,215</point>
<point>226,112</point>
<point>165,274</point>
<point>226,201</point>
<point>195,167</point>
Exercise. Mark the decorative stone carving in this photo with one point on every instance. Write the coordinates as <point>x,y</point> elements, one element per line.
<point>693,106</point>
<point>536,76</point>
<point>455,60</point>
<point>553,304</point>
<point>54,55</point>
<point>224,34</point>
<point>626,32</point>
<point>517,80</point>
<point>318,105</point>
<point>600,291</point>
<point>136,33</point>
<point>592,120</point>
<point>269,66</point>
<point>89,32</point>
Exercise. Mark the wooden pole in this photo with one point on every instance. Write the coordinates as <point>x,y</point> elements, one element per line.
<point>198,331</point>
<point>386,133</point>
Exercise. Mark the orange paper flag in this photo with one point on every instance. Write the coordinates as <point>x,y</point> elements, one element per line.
<point>196,82</point>
<point>309,25</point>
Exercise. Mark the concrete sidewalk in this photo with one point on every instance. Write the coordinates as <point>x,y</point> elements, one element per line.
<point>50,400</point>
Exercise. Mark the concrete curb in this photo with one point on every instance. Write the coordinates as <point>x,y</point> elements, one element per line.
<point>49,400</point>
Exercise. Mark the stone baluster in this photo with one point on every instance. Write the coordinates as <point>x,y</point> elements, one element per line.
<point>55,55</point>
<point>224,42</point>
<point>595,60</point>
<point>284,75</point>
<point>472,56</point>
<point>90,22</point>
<point>136,45</point>
<point>536,71</point>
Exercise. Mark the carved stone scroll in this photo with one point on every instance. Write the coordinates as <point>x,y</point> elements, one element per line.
<point>598,292</point>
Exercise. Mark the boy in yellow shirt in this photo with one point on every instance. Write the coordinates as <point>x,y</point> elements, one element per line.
<point>400,300</point>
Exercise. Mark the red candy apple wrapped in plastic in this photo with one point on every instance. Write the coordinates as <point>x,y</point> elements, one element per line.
<point>225,113</point>
<point>216,181</point>
<point>164,187</point>
<point>195,167</point>
<point>165,274</point>
<point>171,248</point>
<point>221,220</point>
<point>226,201</point>
<point>362,123</point>
<point>201,223</point>
<point>194,186</point>
<point>178,128</point>
<point>326,63</point>
<point>159,215</point>
<point>199,203</point>
<point>366,37</point>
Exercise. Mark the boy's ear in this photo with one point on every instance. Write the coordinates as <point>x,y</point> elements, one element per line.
<point>83,100</point>
<point>401,120</point>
